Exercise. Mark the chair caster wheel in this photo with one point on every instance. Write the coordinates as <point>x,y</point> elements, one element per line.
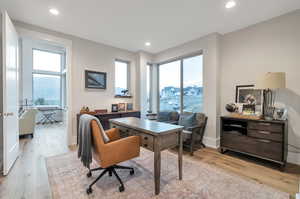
<point>89,174</point>
<point>131,172</point>
<point>121,188</point>
<point>89,190</point>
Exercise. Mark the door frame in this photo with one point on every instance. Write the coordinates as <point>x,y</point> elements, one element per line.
<point>23,32</point>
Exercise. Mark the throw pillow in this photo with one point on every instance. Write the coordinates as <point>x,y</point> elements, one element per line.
<point>187,120</point>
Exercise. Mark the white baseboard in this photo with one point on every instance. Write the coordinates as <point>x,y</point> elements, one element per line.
<point>73,141</point>
<point>294,158</point>
<point>211,142</point>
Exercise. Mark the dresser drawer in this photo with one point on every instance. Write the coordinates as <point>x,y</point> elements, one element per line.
<point>124,132</point>
<point>147,141</point>
<point>260,147</point>
<point>269,135</point>
<point>265,126</point>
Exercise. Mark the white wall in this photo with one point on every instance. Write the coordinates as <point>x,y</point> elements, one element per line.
<point>91,55</point>
<point>210,47</point>
<point>142,59</point>
<point>271,46</point>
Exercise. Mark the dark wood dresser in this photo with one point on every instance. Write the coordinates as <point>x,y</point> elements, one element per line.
<point>105,117</point>
<point>260,138</point>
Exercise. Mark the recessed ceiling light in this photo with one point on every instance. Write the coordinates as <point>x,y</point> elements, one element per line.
<point>147,44</point>
<point>54,11</point>
<point>230,4</point>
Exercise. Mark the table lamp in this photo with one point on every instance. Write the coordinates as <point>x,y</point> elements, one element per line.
<point>269,82</point>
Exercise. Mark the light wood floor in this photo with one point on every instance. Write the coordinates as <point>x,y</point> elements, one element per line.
<point>29,180</point>
<point>261,171</point>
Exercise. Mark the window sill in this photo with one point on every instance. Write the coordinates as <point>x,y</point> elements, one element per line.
<point>122,96</point>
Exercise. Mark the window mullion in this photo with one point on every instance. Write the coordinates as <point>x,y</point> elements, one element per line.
<point>181,85</point>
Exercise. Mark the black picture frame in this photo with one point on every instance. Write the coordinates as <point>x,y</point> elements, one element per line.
<point>238,87</point>
<point>129,106</point>
<point>89,78</point>
<point>243,91</point>
<point>114,108</point>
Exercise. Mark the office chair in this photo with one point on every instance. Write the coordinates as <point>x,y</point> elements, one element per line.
<point>108,155</point>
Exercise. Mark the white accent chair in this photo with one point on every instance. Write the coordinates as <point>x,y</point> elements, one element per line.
<point>27,121</point>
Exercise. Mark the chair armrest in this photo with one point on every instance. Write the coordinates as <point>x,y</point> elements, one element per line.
<point>113,134</point>
<point>173,122</point>
<point>120,150</point>
<point>192,128</point>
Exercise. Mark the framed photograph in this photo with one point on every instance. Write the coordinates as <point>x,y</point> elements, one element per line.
<point>121,107</point>
<point>247,94</point>
<point>95,80</point>
<point>129,106</point>
<point>114,108</point>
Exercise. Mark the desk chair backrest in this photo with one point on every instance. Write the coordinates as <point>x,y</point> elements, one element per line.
<point>116,150</point>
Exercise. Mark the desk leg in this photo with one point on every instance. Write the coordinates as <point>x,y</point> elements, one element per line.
<point>157,163</point>
<point>180,155</point>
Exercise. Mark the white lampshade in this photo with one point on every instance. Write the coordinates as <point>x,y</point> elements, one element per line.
<point>271,81</point>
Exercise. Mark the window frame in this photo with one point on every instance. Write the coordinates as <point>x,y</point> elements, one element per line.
<point>61,74</point>
<point>150,94</point>
<point>180,58</point>
<point>128,78</point>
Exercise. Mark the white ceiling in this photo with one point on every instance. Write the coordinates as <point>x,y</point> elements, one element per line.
<point>129,24</point>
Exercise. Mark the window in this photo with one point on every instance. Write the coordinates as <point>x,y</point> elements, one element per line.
<point>46,89</point>
<point>181,85</point>
<point>148,87</point>
<point>193,84</point>
<point>169,86</point>
<point>121,78</point>
<point>47,78</point>
<point>46,61</point>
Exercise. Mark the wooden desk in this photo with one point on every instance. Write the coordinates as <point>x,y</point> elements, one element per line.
<point>104,117</point>
<point>155,136</point>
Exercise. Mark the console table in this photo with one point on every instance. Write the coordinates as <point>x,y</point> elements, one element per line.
<point>260,138</point>
<point>104,117</point>
<point>155,136</point>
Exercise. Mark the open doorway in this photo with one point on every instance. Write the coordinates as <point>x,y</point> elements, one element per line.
<point>42,91</point>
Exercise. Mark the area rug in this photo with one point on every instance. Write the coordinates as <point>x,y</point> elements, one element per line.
<point>68,180</point>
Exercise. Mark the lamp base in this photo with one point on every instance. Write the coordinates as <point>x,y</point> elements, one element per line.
<point>268,118</point>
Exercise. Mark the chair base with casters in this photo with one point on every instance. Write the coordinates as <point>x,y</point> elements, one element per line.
<point>110,170</point>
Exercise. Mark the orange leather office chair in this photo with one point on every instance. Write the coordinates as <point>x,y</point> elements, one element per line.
<point>108,155</point>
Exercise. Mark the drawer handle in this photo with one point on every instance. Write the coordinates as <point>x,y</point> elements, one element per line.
<point>264,141</point>
<point>264,132</point>
<point>127,130</point>
<point>145,145</point>
<point>265,124</point>
<point>145,138</point>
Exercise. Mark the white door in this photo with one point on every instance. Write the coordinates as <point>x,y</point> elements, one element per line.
<point>10,93</point>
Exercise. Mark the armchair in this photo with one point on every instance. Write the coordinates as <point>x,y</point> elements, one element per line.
<point>27,121</point>
<point>108,155</point>
<point>168,117</point>
<point>193,135</point>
